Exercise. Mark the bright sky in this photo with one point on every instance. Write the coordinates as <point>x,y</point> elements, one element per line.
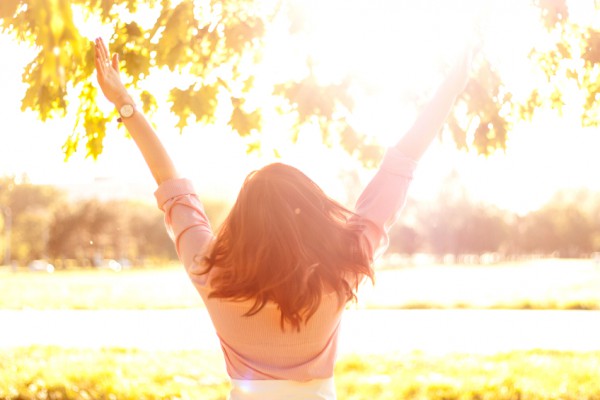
<point>393,47</point>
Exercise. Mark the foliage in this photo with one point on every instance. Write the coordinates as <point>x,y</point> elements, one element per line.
<point>46,224</point>
<point>31,208</point>
<point>572,62</point>
<point>218,45</point>
<point>91,230</point>
<point>568,225</point>
<point>51,372</point>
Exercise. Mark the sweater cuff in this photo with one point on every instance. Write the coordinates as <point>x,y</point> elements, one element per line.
<point>173,188</point>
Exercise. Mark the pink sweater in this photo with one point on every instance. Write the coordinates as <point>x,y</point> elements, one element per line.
<point>255,347</point>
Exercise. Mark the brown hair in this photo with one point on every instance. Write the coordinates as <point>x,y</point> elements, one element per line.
<point>285,241</point>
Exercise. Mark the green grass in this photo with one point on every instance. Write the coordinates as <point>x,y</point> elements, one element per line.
<point>67,373</point>
<point>60,373</point>
<point>539,284</point>
<point>86,289</point>
<point>542,284</point>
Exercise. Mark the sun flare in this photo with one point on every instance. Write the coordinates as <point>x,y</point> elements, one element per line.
<point>395,51</point>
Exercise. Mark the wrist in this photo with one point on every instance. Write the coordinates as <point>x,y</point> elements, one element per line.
<point>125,107</point>
<point>122,100</point>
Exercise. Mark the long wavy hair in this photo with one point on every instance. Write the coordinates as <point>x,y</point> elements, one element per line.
<point>285,241</point>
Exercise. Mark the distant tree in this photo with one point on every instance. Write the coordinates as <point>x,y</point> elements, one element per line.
<point>457,228</point>
<point>31,208</point>
<point>30,236</point>
<point>405,239</point>
<point>67,235</point>
<point>147,233</point>
<point>446,217</point>
<point>217,45</point>
<point>93,231</point>
<point>564,226</point>
<point>216,210</point>
<point>452,223</point>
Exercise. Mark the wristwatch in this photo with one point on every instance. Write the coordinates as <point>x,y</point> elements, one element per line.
<point>126,111</point>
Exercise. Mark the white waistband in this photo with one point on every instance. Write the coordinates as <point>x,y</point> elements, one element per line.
<point>316,389</point>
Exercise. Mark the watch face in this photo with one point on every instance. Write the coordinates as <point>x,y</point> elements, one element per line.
<point>126,110</point>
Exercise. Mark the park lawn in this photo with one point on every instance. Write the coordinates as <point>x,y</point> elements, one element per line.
<point>89,289</point>
<point>66,373</point>
<point>540,284</point>
<point>563,284</point>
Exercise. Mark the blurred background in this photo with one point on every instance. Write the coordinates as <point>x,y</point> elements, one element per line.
<point>492,272</point>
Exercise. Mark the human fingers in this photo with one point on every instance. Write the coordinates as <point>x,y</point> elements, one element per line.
<point>98,61</point>
<point>103,51</point>
<point>96,56</point>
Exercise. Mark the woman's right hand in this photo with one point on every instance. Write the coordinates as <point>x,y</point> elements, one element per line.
<point>461,71</point>
<point>109,77</point>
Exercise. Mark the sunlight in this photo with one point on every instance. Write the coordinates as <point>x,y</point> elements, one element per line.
<point>397,52</point>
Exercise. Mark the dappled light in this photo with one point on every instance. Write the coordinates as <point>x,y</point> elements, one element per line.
<point>458,142</point>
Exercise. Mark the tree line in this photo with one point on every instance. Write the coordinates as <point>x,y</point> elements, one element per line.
<point>41,222</point>
<point>453,226</point>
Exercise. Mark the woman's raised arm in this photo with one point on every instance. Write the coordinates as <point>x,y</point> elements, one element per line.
<point>383,198</point>
<point>107,69</point>
<point>431,118</point>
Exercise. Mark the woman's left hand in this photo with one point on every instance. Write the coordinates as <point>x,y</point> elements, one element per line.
<point>107,71</point>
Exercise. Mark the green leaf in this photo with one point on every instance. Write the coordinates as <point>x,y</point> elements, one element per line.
<point>203,103</point>
<point>8,8</point>
<point>350,140</point>
<point>70,146</point>
<point>458,133</point>
<point>553,12</point>
<point>253,147</point>
<point>106,6</point>
<point>242,32</point>
<point>148,102</point>
<point>200,102</point>
<point>245,123</point>
<point>135,64</point>
<point>180,100</point>
<point>179,25</point>
<point>592,47</point>
<point>133,31</point>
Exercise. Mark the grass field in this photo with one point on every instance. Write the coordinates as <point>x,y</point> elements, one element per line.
<point>539,284</point>
<point>57,373</point>
<point>542,284</point>
<point>86,289</point>
<point>39,372</point>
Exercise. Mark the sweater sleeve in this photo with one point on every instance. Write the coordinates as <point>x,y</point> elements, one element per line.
<point>185,220</point>
<point>384,197</point>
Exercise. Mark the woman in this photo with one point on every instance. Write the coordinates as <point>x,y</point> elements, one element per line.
<point>277,276</point>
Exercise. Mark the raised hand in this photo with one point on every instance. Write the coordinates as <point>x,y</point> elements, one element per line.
<point>431,118</point>
<point>107,71</point>
<point>461,71</point>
